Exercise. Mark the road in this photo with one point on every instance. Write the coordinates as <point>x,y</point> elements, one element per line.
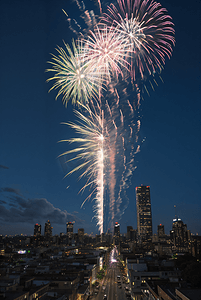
<point>111,287</point>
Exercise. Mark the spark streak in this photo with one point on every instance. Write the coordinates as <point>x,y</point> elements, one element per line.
<point>91,153</point>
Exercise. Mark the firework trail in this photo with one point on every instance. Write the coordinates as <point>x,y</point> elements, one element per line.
<point>127,143</point>
<point>104,151</point>
<point>102,75</point>
<point>91,154</point>
<point>121,143</point>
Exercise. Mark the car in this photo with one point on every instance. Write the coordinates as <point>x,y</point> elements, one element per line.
<point>105,297</point>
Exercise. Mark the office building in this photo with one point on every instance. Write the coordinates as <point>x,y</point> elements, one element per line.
<point>80,231</point>
<point>117,229</point>
<point>161,231</point>
<point>129,228</point>
<point>48,229</point>
<point>144,216</point>
<point>179,234</point>
<point>69,230</point>
<point>81,234</point>
<point>37,229</point>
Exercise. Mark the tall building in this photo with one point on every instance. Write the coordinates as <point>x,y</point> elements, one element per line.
<point>129,228</point>
<point>80,234</point>
<point>131,234</point>
<point>179,234</point>
<point>117,229</point>
<point>69,229</point>
<point>144,216</point>
<point>37,229</point>
<point>161,231</point>
<point>48,229</point>
<point>80,231</point>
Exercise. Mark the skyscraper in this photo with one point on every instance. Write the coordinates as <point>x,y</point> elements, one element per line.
<point>161,231</point>
<point>48,229</point>
<point>131,233</point>
<point>179,234</point>
<point>144,216</point>
<point>37,229</point>
<point>129,228</point>
<point>117,229</point>
<point>69,229</point>
<point>81,234</point>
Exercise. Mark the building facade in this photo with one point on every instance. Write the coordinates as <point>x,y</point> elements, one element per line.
<point>81,234</point>
<point>37,229</point>
<point>161,231</point>
<point>48,229</point>
<point>69,230</point>
<point>144,215</point>
<point>179,235</point>
<point>117,229</point>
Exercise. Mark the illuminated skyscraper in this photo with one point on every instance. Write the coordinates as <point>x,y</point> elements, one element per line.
<point>69,229</point>
<point>179,234</point>
<point>144,216</point>
<point>37,229</point>
<point>117,229</point>
<point>48,229</point>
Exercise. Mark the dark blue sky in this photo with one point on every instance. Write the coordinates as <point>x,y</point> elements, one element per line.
<point>32,188</point>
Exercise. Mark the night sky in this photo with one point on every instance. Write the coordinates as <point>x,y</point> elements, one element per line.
<point>32,184</point>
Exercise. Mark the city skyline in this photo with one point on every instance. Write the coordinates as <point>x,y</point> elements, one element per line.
<point>32,175</point>
<point>40,230</point>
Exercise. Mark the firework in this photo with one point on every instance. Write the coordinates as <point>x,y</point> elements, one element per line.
<point>74,77</point>
<point>104,150</point>
<point>105,51</point>
<point>147,31</point>
<point>132,39</point>
<point>91,154</point>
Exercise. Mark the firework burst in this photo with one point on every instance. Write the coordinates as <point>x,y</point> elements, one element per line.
<point>105,51</point>
<point>147,31</point>
<point>74,77</point>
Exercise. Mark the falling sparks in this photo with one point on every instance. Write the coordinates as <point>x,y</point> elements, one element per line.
<point>125,45</point>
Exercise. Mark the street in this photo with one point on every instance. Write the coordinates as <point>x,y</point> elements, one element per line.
<point>112,288</point>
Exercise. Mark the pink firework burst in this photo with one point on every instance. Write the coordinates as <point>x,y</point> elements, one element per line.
<point>106,51</point>
<point>147,31</point>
